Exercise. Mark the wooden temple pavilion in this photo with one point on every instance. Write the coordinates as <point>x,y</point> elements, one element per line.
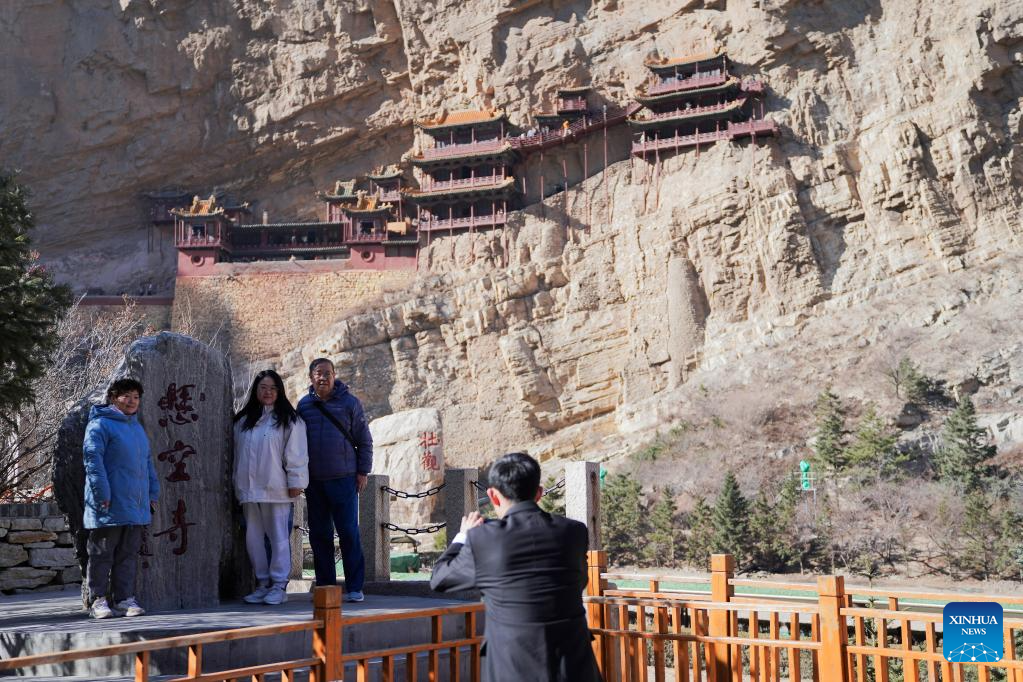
<point>161,203</point>
<point>466,177</point>
<point>570,105</point>
<point>359,227</point>
<point>372,225</point>
<point>387,183</point>
<point>696,100</point>
<point>161,221</point>
<point>202,231</point>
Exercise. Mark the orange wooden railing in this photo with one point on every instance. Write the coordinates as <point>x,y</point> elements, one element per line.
<point>322,664</point>
<point>643,634</point>
<point>327,660</point>
<point>822,635</point>
<point>433,648</point>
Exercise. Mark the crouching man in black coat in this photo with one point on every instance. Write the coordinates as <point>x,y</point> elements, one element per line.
<point>531,568</point>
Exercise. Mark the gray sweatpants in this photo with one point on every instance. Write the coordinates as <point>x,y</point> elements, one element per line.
<point>113,562</point>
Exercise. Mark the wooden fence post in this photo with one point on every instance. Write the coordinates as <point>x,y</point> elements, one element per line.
<point>834,634</point>
<point>374,511</point>
<point>327,637</point>
<point>596,560</point>
<point>722,568</point>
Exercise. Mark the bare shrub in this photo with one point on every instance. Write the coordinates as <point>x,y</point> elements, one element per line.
<point>91,346</point>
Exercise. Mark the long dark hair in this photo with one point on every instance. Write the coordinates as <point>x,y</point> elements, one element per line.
<point>284,412</point>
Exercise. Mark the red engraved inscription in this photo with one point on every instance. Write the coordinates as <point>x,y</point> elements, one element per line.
<point>428,440</point>
<point>178,532</point>
<point>176,456</point>
<point>177,405</point>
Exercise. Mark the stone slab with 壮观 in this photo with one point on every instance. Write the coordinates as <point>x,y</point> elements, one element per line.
<point>192,554</point>
<point>408,447</point>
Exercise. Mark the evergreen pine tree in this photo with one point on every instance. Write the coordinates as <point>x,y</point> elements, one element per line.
<point>774,535</point>
<point>828,449</point>
<point>30,304</point>
<point>731,520</point>
<point>661,548</point>
<point>788,542</point>
<point>979,544</point>
<point>623,520</point>
<point>874,446</point>
<point>962,460</point>
<point>700,540</point>
<point>763,533</point>
<point>917,385</point>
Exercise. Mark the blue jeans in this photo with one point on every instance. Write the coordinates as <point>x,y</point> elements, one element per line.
<point>335,503</point>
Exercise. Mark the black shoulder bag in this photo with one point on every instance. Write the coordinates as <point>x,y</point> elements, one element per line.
<point>333,420</point>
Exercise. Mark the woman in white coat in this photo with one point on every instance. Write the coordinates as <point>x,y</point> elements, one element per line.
<point>271,469</point>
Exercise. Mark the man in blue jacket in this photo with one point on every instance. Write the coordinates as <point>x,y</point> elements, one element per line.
<point>340,459</point>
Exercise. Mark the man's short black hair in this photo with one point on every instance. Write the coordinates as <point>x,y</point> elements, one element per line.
<point>516,475</point>
<point>320,361</point>
<point>122,386</point>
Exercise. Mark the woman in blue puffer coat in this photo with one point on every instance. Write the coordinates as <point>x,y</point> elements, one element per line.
<point>121,490</point>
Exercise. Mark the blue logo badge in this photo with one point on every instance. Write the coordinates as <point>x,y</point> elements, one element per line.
<point>972,632</point>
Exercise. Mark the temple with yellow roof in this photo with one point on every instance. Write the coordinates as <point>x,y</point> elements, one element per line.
<point>360,227</point>
<point>466,180</point>
<point>470,169</point>
<point>694,100</point>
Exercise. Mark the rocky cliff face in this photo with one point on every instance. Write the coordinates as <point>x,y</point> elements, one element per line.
<point>898,173</point>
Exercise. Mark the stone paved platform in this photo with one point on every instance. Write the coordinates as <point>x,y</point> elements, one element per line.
<point>33,624</point>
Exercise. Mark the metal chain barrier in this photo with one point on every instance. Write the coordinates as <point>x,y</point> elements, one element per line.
<point>414,531</point>
<point>485,500</point>
<point>401,494</point>
<point>557,486</point>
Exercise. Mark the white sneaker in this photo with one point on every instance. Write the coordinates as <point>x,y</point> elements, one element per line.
<point>129,607</point>
<point>100,609</point>
<point>257,596</point>
<point>276,595</point>
<point>355,596</point>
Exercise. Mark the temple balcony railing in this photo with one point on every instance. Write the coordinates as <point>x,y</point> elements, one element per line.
<point>693,82</point>
<point>442,151</point>
<point>679,141</point>
<point>763,126</point>
<point>434,225</point>
<point>462,183</point>
<point>389,195</point>
<point>205,242</point>
<point>612,116</point>
<point>752,86</point>
<point>248,249</point>
<point>760,126</point>
<point>691,111</point>
<point>368,237</point>
<point>571,104</point>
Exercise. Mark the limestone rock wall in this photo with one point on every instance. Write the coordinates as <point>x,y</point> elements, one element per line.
<point>898,165</point>
<point>260,315</point>
<point>904,105</point>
